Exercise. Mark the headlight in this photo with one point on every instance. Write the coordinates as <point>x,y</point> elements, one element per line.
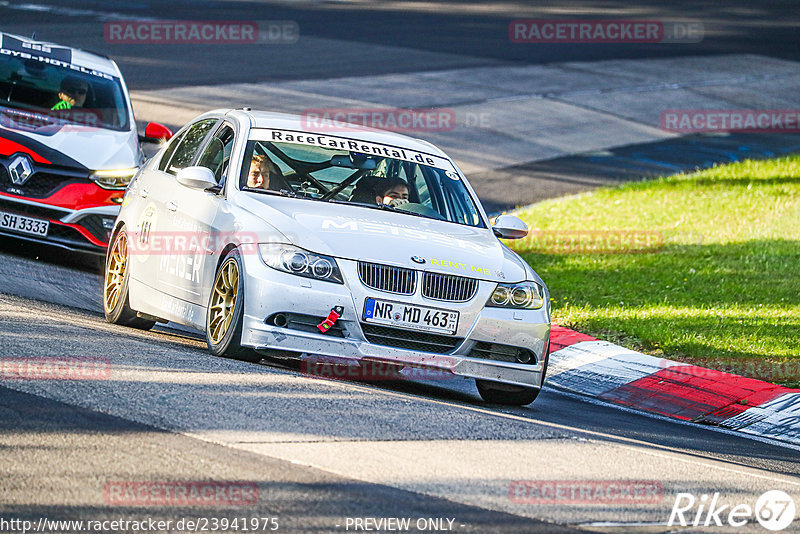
<point>114,179</point>
<point>295,260</point>
<point>525,295</point>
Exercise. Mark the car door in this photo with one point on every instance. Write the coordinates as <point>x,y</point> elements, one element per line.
<point>165,265</point>
<point>198,223</point>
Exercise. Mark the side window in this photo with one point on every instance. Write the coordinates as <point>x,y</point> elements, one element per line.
<point>187,149</point>
<point>217,152</point>
<point>162,165</point>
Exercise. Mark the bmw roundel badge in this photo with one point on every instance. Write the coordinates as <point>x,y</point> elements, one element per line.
<point>418,259</point>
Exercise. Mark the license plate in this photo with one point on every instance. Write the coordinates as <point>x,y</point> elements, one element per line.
<point>22,224</point>
<point>410,316</point>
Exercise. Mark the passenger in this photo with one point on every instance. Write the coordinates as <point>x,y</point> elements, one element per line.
<point>72,94</point>
<point>261,167</point>
<point>394,192</point>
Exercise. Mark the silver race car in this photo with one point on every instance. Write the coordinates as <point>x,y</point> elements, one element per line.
<point>359,244</point>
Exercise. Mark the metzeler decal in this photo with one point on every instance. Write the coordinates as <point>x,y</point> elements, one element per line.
<point>379,228</point>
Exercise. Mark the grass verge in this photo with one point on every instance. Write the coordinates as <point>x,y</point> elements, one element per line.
<point>701,267</point>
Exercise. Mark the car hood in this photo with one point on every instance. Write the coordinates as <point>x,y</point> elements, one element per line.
<point>358,233</point>
<point>93,148</point>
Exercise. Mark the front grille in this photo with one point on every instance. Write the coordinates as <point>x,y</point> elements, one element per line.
<point>39,185</point>
<point>386,278</point>
<point>502,353</point>
<point>40,211</point>
<point>410,339</point>
<point>448,287</point>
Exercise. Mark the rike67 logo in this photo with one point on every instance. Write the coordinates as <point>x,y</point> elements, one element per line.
<point>774,510</point>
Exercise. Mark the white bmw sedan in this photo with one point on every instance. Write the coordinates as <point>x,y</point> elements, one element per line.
<point>359,244</point>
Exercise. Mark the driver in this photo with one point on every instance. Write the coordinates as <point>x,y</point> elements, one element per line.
<point>72,94</point>
<point>261,167</point>
<point>393,192</point>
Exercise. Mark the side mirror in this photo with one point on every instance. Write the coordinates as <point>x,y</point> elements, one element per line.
<point>196,178</point>
<point>509,227</point>
<point>155,133</point>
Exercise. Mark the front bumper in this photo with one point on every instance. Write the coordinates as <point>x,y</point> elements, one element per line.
<point>268,292</point>
<point>81,230</point>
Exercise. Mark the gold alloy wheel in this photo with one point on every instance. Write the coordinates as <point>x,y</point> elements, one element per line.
<point>223,300</point>
<point>115,272</point>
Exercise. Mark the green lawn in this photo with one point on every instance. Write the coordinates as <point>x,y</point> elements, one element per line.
<point>713,280</point>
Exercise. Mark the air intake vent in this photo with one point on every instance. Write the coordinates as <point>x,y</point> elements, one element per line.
<point>448,287</point>
<point>386,278</point>
<point>410,339</point>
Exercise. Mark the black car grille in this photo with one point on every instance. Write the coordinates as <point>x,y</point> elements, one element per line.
<point>410,339</point>
<point>94,224</point>
<point>387,278</point>
<point>403,281</point>
<point>502,353</point>
<point>39,185</point>
<point>448,287</point>
<point>42,212</point>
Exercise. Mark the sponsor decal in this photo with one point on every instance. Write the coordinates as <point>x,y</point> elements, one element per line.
<point>55,61</point>
<point>356,226</point>
<point>354,145</point>
<point>461,266</point>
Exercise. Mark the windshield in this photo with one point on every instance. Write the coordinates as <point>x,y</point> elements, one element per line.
<point>368,179</point>
<point>40,96</point>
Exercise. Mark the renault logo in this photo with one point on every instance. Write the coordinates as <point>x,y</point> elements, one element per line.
<point>20,170</point>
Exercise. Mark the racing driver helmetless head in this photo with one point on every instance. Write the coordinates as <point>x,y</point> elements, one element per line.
<point>394,193</point>
<point>72,94</point>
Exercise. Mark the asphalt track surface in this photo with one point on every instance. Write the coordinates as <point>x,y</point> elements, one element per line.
<point>320,451</point>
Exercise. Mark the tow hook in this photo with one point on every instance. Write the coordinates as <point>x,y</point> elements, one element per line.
<point>329,321</point>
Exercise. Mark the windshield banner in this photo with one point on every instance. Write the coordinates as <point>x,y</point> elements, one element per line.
<point>352,145</point>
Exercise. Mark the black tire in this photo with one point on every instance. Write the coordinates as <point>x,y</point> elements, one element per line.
<point>229,343</point>
<point>116,304</point>
<point>506,394</point>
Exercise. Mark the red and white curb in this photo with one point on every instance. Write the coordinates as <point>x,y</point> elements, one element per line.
<point>588,366</point>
